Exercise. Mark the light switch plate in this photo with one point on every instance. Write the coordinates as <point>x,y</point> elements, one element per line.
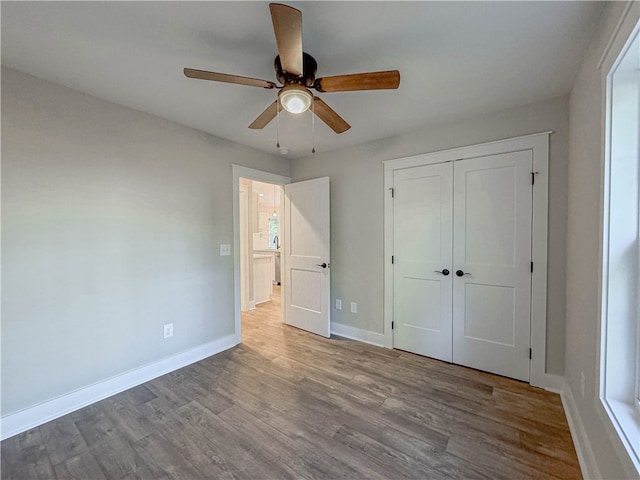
<point>338,304</point>
<point>354,307</point>
<point>225,249</point>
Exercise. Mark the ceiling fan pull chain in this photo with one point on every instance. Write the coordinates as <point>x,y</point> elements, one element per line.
<point>278,126</point>
<point>313,127</point>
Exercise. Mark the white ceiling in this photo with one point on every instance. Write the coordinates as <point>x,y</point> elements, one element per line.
<point>456,59</point>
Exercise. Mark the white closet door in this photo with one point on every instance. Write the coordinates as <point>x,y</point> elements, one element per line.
<point>422,248</point>
<point>492,247</point>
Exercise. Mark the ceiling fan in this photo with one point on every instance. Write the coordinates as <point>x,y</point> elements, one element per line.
<point>296,70</point>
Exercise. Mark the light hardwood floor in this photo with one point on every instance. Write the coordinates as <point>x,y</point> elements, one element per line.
<point>289,404</point>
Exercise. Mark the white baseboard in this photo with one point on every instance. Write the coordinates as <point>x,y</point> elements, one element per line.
<point>553,383</point>
<point>579,435</point>
<point>358,334</point>
<point>31,417</point>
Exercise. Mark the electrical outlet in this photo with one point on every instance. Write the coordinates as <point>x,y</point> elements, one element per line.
<point>225,249</point>
<point>338,304</point>
<point>354,307</point>
<point>582,383</point>
<point>168,330</point>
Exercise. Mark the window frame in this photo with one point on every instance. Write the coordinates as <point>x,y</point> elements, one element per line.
<point>622,418</point>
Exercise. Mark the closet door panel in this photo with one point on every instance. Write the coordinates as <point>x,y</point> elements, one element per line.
<point>492,254</point>
<point>422,250</point>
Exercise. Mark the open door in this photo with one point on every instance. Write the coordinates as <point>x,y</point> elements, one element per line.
<point>306,277</point>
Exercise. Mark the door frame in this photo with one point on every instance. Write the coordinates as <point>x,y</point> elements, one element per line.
<point>260,176</point>
<point>538,144</point>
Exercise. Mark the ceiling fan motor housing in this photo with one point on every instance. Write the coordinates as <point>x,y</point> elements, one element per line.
<point>309,69</point>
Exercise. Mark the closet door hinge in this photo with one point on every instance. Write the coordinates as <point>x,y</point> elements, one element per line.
<point>393,192</point>
<point>531,267</point>
<point>533,177</point>
<point>529,354</point>
<point>393,325</point>
<point>392,259</point>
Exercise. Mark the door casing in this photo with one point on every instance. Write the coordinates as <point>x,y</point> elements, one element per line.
<point>538,144</point>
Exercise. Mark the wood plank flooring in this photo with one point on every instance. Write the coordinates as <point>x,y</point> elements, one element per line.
<point>289,404</point>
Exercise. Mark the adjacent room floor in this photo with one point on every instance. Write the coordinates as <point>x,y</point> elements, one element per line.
<point>289,404</point>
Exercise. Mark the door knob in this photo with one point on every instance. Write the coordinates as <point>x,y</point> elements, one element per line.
<point>444,271</point>
<point>460,273</point>
<point>323,265</point>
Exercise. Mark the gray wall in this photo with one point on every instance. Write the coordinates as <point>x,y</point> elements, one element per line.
<point>357,208</point>
<point>583,234</point>
<point>111,220</point>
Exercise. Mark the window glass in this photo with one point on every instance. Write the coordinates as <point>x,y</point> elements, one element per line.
<point>274,232</point>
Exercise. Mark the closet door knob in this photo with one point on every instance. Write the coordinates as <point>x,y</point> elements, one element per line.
<point>460,273</point>
<point>444,271</point>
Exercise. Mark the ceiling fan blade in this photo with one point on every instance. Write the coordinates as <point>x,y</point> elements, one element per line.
<point>223,77</point>
<point>359,81</point>
<point>287,25</point>
<point>329,116</point>
<point>265,117</point>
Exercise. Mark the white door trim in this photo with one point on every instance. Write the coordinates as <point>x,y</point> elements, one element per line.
<point>539,145</point>
<point>260,176</point>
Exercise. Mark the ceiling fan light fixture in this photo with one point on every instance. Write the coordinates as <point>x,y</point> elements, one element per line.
<point>295,98</point>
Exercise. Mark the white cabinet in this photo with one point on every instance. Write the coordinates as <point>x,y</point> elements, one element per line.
<point>262,274</point>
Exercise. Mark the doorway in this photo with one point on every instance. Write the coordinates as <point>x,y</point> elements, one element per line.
<point>243,219</point>
<point>260,218</point>
<point>304,239</point>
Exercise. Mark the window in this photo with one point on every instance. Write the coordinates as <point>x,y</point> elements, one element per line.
<point>274,232</point>
<point>620,359</point>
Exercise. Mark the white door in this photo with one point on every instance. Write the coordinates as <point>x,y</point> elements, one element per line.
<point>306,255</point>
<point>462,253</point>
<point>423,202</point>
<point>492,263</point>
